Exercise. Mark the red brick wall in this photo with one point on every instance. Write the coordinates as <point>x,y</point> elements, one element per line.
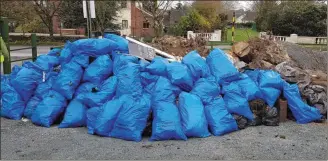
<point>137,19</point>
<point>56,27</point>
<point>56,21</point>
<point>56,24</point>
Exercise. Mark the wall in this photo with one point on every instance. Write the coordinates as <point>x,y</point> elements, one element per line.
<point>125,14</point>
<point>294,38</point>
<point>137,19</point>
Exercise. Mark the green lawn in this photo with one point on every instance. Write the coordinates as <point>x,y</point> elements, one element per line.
<point>242,34</point>
<point>317,47</point>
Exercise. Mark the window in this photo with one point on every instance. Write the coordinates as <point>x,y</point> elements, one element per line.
<point>124,24</point>
<point>124,4</point>
<point>145,25</point>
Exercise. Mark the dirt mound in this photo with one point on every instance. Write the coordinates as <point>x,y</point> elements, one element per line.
<point>266,54</point>
<point>306,58</point>
<point>260,53</point>
<point>180,46</point>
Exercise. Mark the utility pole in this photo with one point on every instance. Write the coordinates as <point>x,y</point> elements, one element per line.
<point>88,19</point>
<point>233,27</point>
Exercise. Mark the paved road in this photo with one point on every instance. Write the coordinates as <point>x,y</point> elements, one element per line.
<point>28,52</point>
<point>25,53</point>
<point>23,140</point>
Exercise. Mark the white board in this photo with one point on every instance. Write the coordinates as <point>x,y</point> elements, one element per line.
<point>141,51</point>
<point>92,9</point>
<point>84,9</point>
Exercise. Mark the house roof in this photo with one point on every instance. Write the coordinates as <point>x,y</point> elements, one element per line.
<point>238,13</point>
<point>249,16</point>
<point>242,15</point>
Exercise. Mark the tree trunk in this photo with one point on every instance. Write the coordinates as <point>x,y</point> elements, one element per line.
<point>51,28</point>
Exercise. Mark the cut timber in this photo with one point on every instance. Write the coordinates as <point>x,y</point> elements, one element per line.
<point>241,49</point>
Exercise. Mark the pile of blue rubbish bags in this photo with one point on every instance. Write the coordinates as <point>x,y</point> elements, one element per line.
<point>95,83</point>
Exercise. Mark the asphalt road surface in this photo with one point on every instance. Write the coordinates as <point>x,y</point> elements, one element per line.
<point>23,140</point>
<point>28,52</point>
<point>25,53</point>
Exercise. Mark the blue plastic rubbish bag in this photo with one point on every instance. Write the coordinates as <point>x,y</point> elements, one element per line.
<point>99,96</point>
<point>92,115</point>
<point>180,76</point>
<point>248,87</point>
<point>66,54</point>
<point>270,84</point>
<point>43,88</point>
<point>14,71</point>
<point>84,88</point>
<point>12,104</point>
<point>235,101</point>
<point>68,80</point>
<point>54,52</point>
<point>122,43</point>
<point>197,65</point>
<point>147,78</point>
<point>158,66</point>
<point>143,64</point>
<point>47,62</point>
<point>219,119</point>
<point>132,118</point>
<point>194,123</point>
<point>98,70</point>
<point>302,112</point>
<point>164,90</point>
<point>82,60</point>
<point>94,47</point>
<point>270,78</point>
<point>5,83</point>
<point>253,74</point>
<point>31,106</point>
<point>75,115</point>
<point>27,80</point>
<point>206,89</point>
<point>49,109</point>
<point>150,88</point>
<point>167,122</point>
<point>129,80</point>
<point>221,67</point>
<point>106,118</point>
<point>121,60</point>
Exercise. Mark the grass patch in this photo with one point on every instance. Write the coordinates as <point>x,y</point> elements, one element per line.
<point>242,34</point>
<point>315,46</point>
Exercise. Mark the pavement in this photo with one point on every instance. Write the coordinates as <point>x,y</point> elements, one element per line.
<point>23,140</point>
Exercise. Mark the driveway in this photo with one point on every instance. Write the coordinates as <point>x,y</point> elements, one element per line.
<point>23,140</point>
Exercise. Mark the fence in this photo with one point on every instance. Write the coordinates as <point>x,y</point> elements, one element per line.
<point>5,48</point>
<point>294,38</point>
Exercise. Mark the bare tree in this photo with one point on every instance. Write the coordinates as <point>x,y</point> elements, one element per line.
<point>157,10</point>
<point>46,10</point>
<point>106,14</point>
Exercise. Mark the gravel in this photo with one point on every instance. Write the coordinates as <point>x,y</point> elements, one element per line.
<point>23,140</point>
<point>307,58</point>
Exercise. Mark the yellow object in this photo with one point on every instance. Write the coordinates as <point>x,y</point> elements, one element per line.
<point>2,59</point>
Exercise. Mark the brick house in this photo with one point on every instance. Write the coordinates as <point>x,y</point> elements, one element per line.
<point>134,21</point>
<point>56,24</point>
